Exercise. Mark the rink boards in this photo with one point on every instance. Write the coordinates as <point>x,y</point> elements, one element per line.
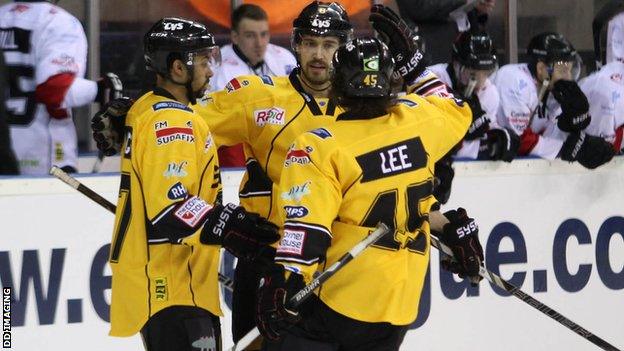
<point>552,228</point>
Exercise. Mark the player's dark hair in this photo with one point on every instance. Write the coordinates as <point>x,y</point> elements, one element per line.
<point>361,108</point>
<point>250,11</point>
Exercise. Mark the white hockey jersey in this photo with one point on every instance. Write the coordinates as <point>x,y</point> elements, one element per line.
<point>605,91</point>
<point>615,38</point>
<point>41,40</point>
<point>277,62</point>
<point>489,100</point>
<point>518,93</point>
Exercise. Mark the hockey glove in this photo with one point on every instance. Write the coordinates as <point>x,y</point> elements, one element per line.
<point>500,144</point>
<point>272,315</point>
<point>574,106</point>
<point>108,124</point>
<point>244,234</point>
<point>401,40</point>
<point>461,234</point>
<point>590,151</point>
<point>480,121</point>
<point>109,88</point>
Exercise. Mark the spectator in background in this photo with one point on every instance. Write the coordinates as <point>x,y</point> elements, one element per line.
<point>541,102</point>
<point>473,60</point>
<point>45,51</point>
<point>249,53</point>
<point>8,164</point>
<point>439,21</point>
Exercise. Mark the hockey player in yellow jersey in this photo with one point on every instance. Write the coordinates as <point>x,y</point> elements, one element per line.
<point>169,224</point>
<point>267,113</point>
<point>374,164</point>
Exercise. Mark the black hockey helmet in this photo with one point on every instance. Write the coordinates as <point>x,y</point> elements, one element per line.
<point>549,47</point>
<point>176,38</point>
<point>475,49</point>
<point>363,69</point>
<point>322,19</point>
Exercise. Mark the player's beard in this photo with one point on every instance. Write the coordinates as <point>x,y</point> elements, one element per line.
<point>317,79</point>
<point>199,93</point>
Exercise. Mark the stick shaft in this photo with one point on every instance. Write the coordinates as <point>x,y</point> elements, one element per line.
<point>307,291</point>
<point>531,301</point>
<point>88,192</point>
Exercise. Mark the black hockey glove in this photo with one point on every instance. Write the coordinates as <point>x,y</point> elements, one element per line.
<point>272,315</point>
<point>401,40</point>
<point>461,234</point>
<point>244,234</point>
<point>574,106</point>
<point>108,124</point>
<point>500,144</point>
<point>109,88</point>
<point>480,121</point>
<point>590,151</point>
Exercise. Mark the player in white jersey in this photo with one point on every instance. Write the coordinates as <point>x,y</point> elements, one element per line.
<point>250,51</point>
<point>542,103</point>
<point>473,60</point>
<point>45,50</point>
<point>605,92</point>
<point>615,38</point>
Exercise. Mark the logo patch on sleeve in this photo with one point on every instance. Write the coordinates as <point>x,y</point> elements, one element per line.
<point>192,211</point>
<point>171,134</point>
<point>171,104</point>
<point>235,84</point>
<point>296,211</point>
<point>297,192</point>
<point>175,169</point>
<point>298,156</point>
<point>176,192</point>
<point>292,242</point>
<point>321,133</point>
<point>273,115</point>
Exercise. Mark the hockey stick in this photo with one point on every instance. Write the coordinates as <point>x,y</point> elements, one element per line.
<point>307,291</point>
<point>88,192</point>
<point>531,301</point>
<point>98,162</point>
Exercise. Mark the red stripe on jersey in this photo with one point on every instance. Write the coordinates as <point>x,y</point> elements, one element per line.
<point>528,140</point>
<point>52,93</point>
<point>619,134</point>
<point>173,130</point>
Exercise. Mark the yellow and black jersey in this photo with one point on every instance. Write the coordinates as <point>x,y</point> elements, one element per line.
<point>169,182</point>
<point>266,114</point>
<point>339,181</point>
